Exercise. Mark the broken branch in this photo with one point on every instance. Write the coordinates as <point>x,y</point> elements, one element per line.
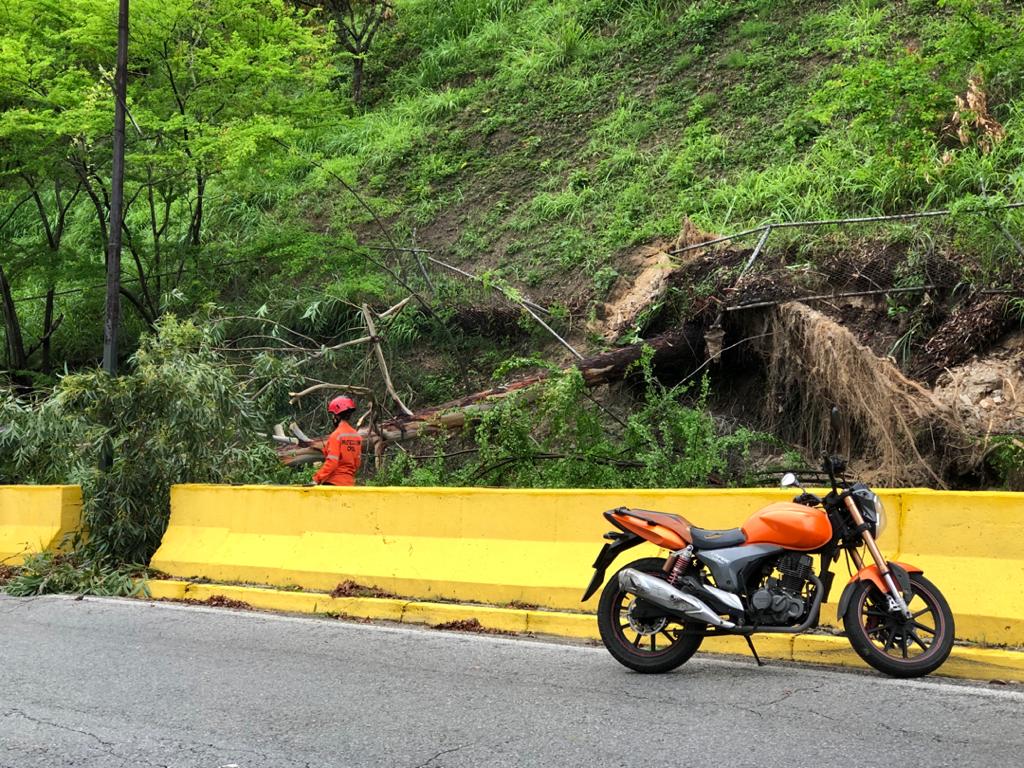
<point>296,396</point>
<point>372,328</point>
<point>681,346</point>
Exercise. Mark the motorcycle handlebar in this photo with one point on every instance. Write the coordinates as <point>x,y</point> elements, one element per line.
<point>833,465</point>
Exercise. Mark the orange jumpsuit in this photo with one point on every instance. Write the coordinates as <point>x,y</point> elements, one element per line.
<point>344,451</point>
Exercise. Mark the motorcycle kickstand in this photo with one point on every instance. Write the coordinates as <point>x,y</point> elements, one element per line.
<point>754,651</point>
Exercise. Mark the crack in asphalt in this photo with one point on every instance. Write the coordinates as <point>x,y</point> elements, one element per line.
<point>106,747</point>
<point>18,602</point>
<point>907,732</point>
<point>788,693</point>
<point>442,752</point>
<point>207,750</point>
<point>203,750</point>
<point>586,696</point>
<point>39,721</point>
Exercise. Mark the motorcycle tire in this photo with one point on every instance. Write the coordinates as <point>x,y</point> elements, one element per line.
<point>892,644</point>
<point>626,645</point>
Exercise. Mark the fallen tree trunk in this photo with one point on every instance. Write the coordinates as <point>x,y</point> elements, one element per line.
<point>678,347</point>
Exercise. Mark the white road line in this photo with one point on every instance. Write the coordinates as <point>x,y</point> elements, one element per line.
<point>934,685</point>
<point>939,686</point>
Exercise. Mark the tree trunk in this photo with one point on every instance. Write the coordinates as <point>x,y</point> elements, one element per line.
<point>47,329</point>
<point>196,230</point>
<point>16,358</point>
<point>112,314</point>
<point>357,79</point>
<point>684,346</point>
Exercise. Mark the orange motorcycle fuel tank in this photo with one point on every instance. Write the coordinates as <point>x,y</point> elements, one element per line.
<point>789,525</point>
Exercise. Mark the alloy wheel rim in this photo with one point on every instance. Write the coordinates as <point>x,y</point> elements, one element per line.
<point>900,638</point>
<point>653,639</point>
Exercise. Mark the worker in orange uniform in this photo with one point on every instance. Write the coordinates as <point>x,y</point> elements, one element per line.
<point>344,447</point>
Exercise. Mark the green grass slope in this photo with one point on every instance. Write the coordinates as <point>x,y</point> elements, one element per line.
<point>541,139</point>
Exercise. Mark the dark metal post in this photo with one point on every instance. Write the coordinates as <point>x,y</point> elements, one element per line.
<point>113,314</point>
<point>112,318</point>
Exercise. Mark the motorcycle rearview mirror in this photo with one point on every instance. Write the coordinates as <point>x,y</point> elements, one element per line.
<point>789,480</point>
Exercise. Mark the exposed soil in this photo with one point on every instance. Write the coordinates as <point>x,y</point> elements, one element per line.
<point>867,318</point>
<point>971,328</point>
<point>651,272</point>
<point>521,606</point>
<point>347,617</point>
<point>491,319</point>
<point>633,295</point>
<point>987,392</point>
<point>351,588</point>
<point>7,572</point>
<point>217,601</point>
<point>470,625</point>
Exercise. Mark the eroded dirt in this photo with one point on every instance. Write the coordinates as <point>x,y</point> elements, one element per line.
<point>470,625</point>
<point>351,588</point>
<point>7,573</point>
<point>217,601</point>
<point>631,296</point>
<point>987,392</point>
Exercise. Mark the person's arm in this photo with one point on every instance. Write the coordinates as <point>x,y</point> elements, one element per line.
<point>330,462</point>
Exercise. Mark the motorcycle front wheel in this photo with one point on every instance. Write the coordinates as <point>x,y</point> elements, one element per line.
<point>892,643</point>
<point>638,634</point>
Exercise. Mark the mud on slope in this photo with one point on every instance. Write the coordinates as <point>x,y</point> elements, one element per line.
<point>876,354</point>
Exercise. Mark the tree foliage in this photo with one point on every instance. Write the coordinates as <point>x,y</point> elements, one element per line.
<point>356,24</point>
<point>178,416</point>
<point>533,141</point>
<point>557,435</point>
<point>214,86</point>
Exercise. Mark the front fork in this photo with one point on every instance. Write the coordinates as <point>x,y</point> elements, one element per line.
<point>895,597</point>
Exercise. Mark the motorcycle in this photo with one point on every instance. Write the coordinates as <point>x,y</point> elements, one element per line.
<point>654,613</point>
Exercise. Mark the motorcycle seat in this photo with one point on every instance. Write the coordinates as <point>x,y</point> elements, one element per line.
<point>676,523</point>
<point>705,538</point>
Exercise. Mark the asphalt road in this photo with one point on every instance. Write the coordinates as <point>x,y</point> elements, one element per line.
<point>110,683</point>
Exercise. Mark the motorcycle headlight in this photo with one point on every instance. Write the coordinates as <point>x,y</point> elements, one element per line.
<point>872,509</point>
<point>880,516</point>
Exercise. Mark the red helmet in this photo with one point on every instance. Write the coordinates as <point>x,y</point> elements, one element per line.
<point>341,404</point>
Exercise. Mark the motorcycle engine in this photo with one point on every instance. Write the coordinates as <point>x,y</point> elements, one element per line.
<point>779,600</point>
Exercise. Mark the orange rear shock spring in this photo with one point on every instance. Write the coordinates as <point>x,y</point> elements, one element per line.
<point>681,563</point>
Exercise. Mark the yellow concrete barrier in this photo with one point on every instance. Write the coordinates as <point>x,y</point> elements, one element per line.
<point>535,547</point>
<point>483,545</point>
<point>971,545</point>
<point>34,518</point>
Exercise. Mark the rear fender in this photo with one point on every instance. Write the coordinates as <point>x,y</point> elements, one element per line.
<point>619,544</point>
<point>900,573</point>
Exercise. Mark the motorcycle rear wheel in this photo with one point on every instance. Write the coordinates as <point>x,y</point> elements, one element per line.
<point>651,644</point>
<point>893,644</point>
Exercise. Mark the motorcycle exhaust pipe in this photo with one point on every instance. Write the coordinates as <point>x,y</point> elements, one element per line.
<point>664,595</point>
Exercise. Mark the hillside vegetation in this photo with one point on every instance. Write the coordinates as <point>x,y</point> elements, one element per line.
<point>568,154</point>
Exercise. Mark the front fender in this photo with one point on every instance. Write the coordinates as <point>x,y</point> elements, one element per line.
<point>899,571</point>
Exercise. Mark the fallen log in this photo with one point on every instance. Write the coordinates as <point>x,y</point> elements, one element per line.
<point>682,346</point>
